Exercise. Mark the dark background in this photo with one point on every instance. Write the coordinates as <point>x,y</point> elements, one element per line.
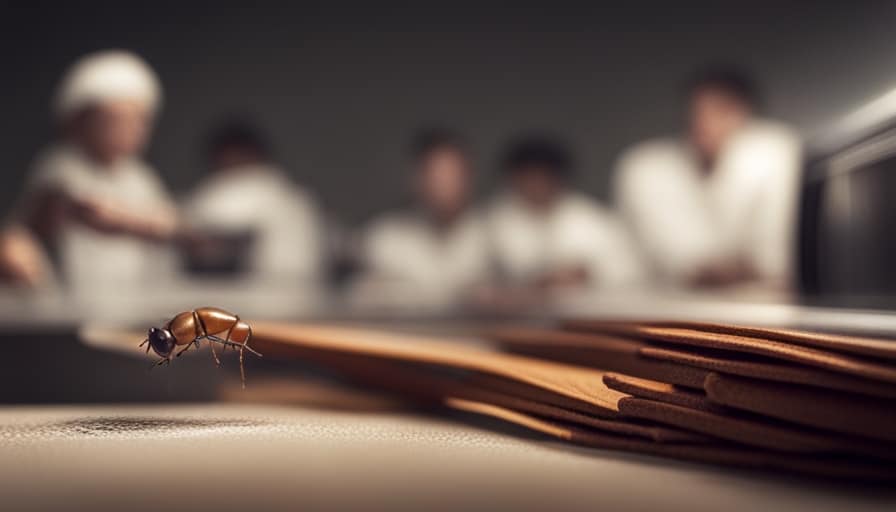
<point>340,88</point>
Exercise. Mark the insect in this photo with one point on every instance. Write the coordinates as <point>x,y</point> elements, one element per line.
<point>187,329</point>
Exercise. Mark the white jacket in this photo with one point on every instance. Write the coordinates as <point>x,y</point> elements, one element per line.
<point>91,260</point>
<point>284,219</point>
<point>576,231</point>
<point>745,207</point>
<point>407,250</point>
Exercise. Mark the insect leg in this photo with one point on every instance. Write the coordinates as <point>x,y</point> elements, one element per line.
<point>246,344</point>
<point>181,351</point>
<point>234,344</point>
<point>145,343</point>
<point>242,369</point>
<point>214,354</point>
<point>242,350</point>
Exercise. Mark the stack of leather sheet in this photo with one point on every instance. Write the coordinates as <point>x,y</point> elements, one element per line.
<point>772,399</point>
<point>826,400</point>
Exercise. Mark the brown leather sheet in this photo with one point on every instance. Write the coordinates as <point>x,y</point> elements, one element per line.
<point>600,351</point>
<point>855,345</point>
<point>830,410</point>
<point>871,347</point>
<point>659,391</point>
<point>429,384</point>
<point>759,367</point>
<point>695,412</point>
<point>754,430</point>
<point>830,467</point>
<point>570,384</point>
<point>528,388</point>
<point>852,365</point>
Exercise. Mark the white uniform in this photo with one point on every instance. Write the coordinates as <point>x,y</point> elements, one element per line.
<point>744,208</point>
<point>407,250</point>
<point>283,218</point>
<point>90,259</point>
<point>576,231</point>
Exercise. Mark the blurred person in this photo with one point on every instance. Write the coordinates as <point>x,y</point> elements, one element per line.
<point>90,199</point>
<point>437,246</point>
<point>547,236</point>
<point>716,206</point>
<point>247,206</point>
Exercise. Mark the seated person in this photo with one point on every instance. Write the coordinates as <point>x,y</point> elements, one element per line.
<point>437,247</point>
<point>90,198</point>
<point>247,217</point>
<point>546,235</point>
<point>716,206</point>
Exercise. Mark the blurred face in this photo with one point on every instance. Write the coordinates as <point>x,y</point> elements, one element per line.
<point>715,115</point>
<point>234,156</point>
<point>537,186</point>
<point>443,182</point>
<point>113,130</point>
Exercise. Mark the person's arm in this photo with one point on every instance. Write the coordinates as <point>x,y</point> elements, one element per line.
<point>22,259</point>
<point>116,217</point>
<point>57,193</point>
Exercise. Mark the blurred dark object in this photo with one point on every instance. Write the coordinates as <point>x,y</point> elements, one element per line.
<point>60,369</point>
<point>236,141</point>
<point>218,253</point>
<point>847,247</point>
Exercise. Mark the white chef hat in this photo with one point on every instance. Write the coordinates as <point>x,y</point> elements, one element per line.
<point>107,75</point>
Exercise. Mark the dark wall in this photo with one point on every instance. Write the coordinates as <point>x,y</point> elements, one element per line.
<point>339,89</point>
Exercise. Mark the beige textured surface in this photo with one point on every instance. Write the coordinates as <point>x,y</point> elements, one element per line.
<point>242,457</point>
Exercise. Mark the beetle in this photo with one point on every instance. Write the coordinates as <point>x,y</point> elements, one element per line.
<point>188,328</point>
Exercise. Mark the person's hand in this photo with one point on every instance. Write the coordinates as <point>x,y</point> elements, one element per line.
<point>724,273</point>
<point>22,261</point>
<point>565,277</point>
<point>503,299</point>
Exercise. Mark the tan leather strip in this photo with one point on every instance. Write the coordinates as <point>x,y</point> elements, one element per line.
<point>665,371</point>
<point>838,468</point>
<point>517,335</point>
<point>625,328</point>
<point>873,347</point>
<point>604,352</point>
<point>829,410</point>
<point>852,365</point>
<point>534,394</point>
<point>861,346</point>
<point>753,431</point>
<point>426,383</point>
<point>571,382</point>
<point>768,369</point>
<point>659,391</point>
<point>656,433</point>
